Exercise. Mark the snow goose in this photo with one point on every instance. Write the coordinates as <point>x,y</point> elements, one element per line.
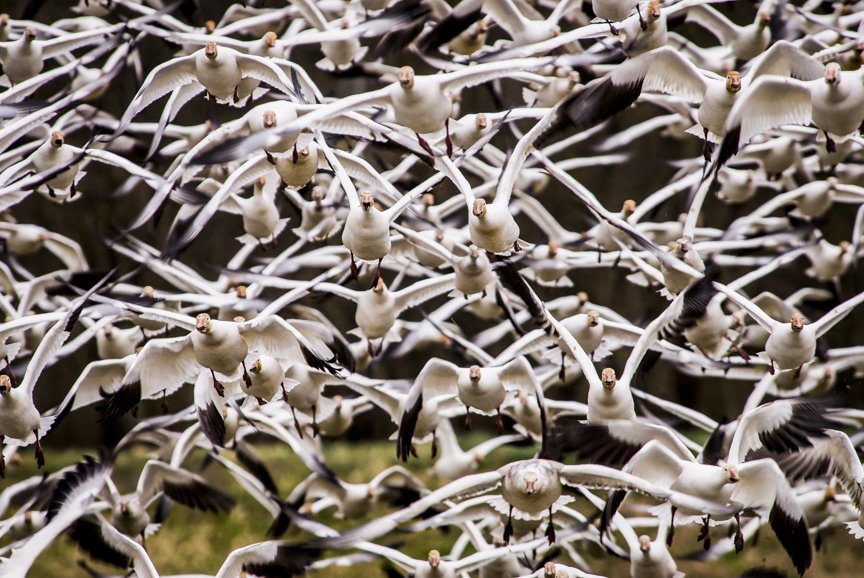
<point>648,558</point>
<point>26,239</point>
<point>394,403</point>
<point>304,394</point>
<point>165,364</point>
<point>521,29</point>
<point>20,421</point>
<point>129,511</point>
<point>745,42</point>
<point>378,307</point>
<point>355,500</point>
<point>482,389</point>
<point>834,103</point>
<point>832,454</point>
<point>71,498</point>
<point>529,490</point>
<point>25,57</point>
<point>791,345</point>
<point>757,485</point>
<point>609,397</point>
<point>666,70</point>
<point>454,462</point>
<point>473,270</point>
<point>420,103</point>
<point>219,69</point>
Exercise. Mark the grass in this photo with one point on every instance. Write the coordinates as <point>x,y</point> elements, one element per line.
<point>194,542</point>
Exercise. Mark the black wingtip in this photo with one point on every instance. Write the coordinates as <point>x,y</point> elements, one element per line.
<point>407,425</point>
<point>793,536</point>
<point>212,424</point>
<point>119,403</point>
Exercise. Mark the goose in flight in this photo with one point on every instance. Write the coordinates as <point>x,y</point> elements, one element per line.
<point>792,344</point>
<point>529,489</point>
<point>378,307</point>
<point>758,485</point>
<point>833,102</point>
<point>483,389</point>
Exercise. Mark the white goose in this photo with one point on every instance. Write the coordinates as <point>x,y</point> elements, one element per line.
<point>791,345</point>
<point>759,485</point>
<point>482,389</point>
<point>219,69</point>
<point>378,307</point>
<point>834,103</point>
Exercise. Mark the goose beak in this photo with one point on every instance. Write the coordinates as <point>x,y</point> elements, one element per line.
<point>529,485</point>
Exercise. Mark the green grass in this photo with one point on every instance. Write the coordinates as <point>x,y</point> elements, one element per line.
<point>194,542</point>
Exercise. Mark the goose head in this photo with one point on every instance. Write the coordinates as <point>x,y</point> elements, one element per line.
<point>481,121</point>
<point>682,245</point>
<point>210,50</point>
<point>202,323</point>
<point>474,373</point>
<point>379,286</point>
<point>366,200</point>
<point>5,384</point>
<point>406,77</point>
<point>552,249</point>
<point>732,474</point>
<point>29,34</point>
<point>653,13</point>
<point>434,558</point>
<point>797,322</point>
<point>832,73</point>
<point>628,208</point>
<point>210,27</point>
<point>733,81</point>
<point>593,318</point>
<point>608,379</point>
<point>269,119</point>
<point>256,367</point>
<point>270,39</point>
<point>645,544</point>
<point>830,493</point>
<point>763,21</point>
<point>57,139</point>
<point>479,208</point>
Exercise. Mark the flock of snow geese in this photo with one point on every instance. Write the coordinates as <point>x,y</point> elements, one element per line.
<point>448,188</point>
